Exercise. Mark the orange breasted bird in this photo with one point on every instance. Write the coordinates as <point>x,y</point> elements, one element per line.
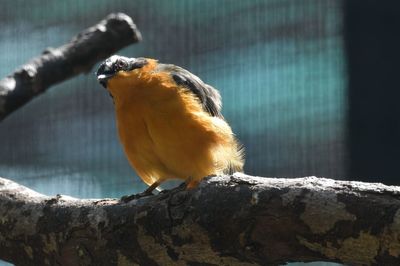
<point>169,122</point>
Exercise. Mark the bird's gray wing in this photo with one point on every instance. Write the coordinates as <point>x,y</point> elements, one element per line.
<point>209,97</point>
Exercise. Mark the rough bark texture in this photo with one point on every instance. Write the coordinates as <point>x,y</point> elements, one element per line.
<point>227,220</point>
<point>55,65</point>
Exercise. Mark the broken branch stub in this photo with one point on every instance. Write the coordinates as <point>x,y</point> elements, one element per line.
<point>58,64</point>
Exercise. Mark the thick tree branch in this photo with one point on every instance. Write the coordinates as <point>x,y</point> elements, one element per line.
<point>55,65</point>
<point>227,220</point>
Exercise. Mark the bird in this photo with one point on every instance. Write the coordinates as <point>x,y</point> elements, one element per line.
<point>169,122</point>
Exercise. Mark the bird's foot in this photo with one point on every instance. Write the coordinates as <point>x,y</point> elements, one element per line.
<point>147,192</point>
<point>181,186</point>
<point>128,198</point>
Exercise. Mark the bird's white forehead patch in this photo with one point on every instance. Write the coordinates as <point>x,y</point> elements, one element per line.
<point>114,58</point>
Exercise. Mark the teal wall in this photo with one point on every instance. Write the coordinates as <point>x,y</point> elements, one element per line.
<point>279,66</point>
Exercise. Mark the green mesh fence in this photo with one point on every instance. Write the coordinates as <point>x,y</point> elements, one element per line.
<point>278,64</point>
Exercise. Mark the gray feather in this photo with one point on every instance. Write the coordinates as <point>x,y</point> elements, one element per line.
<point>208,96</point>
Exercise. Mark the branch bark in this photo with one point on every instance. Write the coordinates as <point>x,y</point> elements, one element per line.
<point>227,220</point>
<point>55,65</point>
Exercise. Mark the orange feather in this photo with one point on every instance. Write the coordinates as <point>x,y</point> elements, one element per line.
<point>165,131</point>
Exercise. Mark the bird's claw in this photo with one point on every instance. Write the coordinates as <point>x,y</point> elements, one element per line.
<point>181,186</point>
<point>128,198</point>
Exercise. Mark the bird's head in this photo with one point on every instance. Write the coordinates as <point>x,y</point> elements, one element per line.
<point>119,67</point>
<point>144,78</point>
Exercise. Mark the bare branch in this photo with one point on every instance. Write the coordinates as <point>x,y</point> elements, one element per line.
<point>227,220</point>
<point>55,65</point>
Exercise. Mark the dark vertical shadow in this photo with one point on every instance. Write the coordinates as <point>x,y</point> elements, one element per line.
<point>372,36</point>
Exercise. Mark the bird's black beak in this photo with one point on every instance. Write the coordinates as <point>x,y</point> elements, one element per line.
<point>105,71</point>
<point>116,63</point>
<point>102,78</point>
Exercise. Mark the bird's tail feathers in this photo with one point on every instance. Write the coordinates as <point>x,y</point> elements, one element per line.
<point>236,159</point>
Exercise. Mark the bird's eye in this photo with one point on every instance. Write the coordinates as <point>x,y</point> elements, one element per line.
<point>121,64</point>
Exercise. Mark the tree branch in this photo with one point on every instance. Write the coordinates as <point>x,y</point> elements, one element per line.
<point>55,65</point>
<point>227,220</point>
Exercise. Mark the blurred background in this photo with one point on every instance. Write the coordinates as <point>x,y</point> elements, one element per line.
<point>279,65</point>
<point>308,86</point>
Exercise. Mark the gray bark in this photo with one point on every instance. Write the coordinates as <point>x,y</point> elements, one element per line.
<point>57,64</point>
<point>226,220</point>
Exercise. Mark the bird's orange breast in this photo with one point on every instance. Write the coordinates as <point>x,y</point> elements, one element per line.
<point>164,130</point>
